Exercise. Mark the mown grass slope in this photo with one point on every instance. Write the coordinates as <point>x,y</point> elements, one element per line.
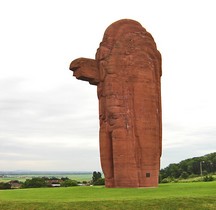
<point>198,195</point>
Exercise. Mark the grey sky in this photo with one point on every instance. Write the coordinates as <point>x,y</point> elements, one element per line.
<point>49,120</point>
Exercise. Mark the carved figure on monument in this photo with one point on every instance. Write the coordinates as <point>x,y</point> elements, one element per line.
<point>127,71</point>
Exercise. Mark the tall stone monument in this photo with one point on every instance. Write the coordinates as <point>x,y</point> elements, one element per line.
<point>127,71</point>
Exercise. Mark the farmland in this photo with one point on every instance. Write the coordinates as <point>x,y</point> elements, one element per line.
<point>22,176</point>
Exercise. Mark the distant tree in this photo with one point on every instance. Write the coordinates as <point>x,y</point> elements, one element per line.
<point>96,176</point>
<point>84,182</point>
<point>192,167</point>
<point>100,181</point>
<point>205,172</point>
<point>64,178</point>
<point>45,178</point>
<point>54,178</point>
<point>184,175</point>
<point>192,176</point>
<point>5,185</point>
<point>69,183</point>
<point>35,182</point>
<point>208,178</point>
<point>175,171</point>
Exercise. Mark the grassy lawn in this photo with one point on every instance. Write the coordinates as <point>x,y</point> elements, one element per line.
<point>198,195</point>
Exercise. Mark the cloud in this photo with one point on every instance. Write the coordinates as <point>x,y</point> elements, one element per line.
<point>48,156</point>
<point>53,126</point>
<point>47,115</point>
<point>56,108</point>
<point>182,142</point>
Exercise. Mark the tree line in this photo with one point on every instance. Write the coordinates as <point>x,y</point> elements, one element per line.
<point>196,166</point>
<point>189,168</point>
<point>39,182</point>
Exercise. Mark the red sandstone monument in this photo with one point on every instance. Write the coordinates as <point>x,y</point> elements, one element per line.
<point>127,71</point>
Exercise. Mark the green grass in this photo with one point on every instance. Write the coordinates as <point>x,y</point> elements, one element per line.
<point>171,196</point>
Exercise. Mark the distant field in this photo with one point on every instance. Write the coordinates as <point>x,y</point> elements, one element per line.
<point>181,196</point>
<point>23,177</point>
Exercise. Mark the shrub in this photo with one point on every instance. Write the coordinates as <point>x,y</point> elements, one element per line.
<point>4,185</point>
<point>69,183</point>
<point>96,176</point>
<point>100,181</point>
<point>35,182</point>
<point>184,175</point>
<point>192,176</point>
<point>208,178</point>
<point>165,180</point>
<point>205,172</point>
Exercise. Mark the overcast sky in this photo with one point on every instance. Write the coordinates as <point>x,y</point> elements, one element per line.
<point>49,120</point>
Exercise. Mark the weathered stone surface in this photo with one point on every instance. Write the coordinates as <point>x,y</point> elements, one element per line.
<point>127,71</point>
